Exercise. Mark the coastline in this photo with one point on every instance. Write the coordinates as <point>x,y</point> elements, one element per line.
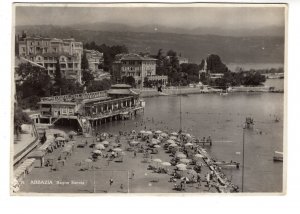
<point>186,90</point>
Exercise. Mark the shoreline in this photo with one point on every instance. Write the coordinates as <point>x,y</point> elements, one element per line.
<point>171,92</point>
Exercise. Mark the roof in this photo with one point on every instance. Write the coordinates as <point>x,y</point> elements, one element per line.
<point>120,86</point>
<point>20,60</point>
<point>119,91</point>
<point>132,56</point>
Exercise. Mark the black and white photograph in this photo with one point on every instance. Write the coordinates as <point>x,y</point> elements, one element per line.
<point>151,98</point>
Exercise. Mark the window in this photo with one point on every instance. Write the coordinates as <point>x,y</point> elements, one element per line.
<point>45,58</point>
<point>23,49</point>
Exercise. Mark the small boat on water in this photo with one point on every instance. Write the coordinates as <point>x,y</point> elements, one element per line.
<point>278,156</point>
<point>224,93</point>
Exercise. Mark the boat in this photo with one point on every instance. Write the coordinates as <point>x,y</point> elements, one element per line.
<point>278,156</point>
<point>224,93</point>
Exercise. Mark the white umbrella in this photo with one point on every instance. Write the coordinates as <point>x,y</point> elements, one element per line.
<point>148,132</point>
<point>72,133</point>
<point>157,160</point>
<point>173,138</point>
<point>105,142</point>
<point>188,144</point>
<point>170,141</point>
<point>60,139</point>
<point>158,132</point>
<point>117,149</point>
<point>157,146</point>
<point>100,146</point>
<point>181,168</point>
<point>154,142</point>
<point>142,131</point>
<point>134,142</point>
<point>173,145</point>
<point>88,160</point>
<point>184,160</point>
<point>174,133</point>
<point>181,155</point>
<point>184,179</point>
<point>199,156</point>
<point>97,152</point>
<point>181,165</point>
<point>164,135</point>
<point>165,164</point>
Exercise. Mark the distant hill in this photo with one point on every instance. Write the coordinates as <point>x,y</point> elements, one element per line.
<point>242,49</point>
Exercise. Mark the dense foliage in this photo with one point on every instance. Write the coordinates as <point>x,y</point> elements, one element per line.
<point>109,52</point>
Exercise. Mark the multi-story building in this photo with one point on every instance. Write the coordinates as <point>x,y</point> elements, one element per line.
<point>182,60</point>
<point>134,65</point>
<point>47,52</point>
<point>95,58</point>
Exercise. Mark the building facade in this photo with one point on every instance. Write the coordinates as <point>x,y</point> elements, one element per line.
<point>47,52</point>
<point>134,65</point>
<point>95,58</point>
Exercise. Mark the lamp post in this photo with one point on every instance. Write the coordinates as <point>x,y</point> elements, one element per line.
<point>243,170</point>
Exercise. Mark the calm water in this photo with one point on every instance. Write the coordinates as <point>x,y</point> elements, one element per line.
<point>222,117</point>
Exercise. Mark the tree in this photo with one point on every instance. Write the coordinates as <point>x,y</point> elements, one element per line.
<point>99,85</point>
<point>87,77</point>
<point>84,62</point>
<point>57,74</point>
<point>215,65</point>
<point>20,118</point>
<point>129,80</point>
<point>34,83</point>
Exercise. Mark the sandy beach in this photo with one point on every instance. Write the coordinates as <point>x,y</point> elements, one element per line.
<point>132,175</point>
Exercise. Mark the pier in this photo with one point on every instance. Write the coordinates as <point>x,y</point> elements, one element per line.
<point>87,110</point>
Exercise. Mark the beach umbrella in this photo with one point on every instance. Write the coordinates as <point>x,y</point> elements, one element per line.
<point>134,142</point>
<point>174,133</point>
<point>181,165</point>
<point>142,131</point>
<point>198,156</point>
<point>88,160</point>
<point>157,146</point>
<point>117,149</point>
<point>180,155</point>
<point>100,146</point>
<point>148,132</point>
<point>97,152</point>
<point>192,172</point>
<point>173,145</point>
<point>158,132</point>
<point>105,142</point>
<point>173,138</point>
<point>165,164</point>
<point>157,160</point>
<point>154,141</point>
<point>181,168</point>
<point>164,135</point>
<point>170,141</point>
<point>60,139</point>
<point>113,144</point>
<point>188,144</point>
<point>185,179</point>
<point>184,160</point>
<point>72,133</point>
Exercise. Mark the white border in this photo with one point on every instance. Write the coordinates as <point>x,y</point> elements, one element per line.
<point>138,204</point>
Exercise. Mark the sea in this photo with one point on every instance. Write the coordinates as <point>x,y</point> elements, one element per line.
<point>222,118</point>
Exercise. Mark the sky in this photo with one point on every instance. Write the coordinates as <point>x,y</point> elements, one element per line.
<point>186,16</point>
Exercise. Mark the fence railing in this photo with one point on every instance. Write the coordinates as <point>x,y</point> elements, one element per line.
<point>71,97</point>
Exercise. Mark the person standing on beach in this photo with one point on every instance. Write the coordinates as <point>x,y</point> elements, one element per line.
<point>111,181</point>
